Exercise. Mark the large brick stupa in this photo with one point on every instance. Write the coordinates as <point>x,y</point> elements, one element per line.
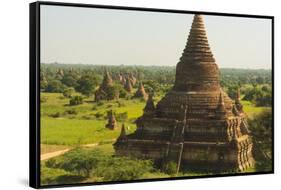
<point>196,124</point>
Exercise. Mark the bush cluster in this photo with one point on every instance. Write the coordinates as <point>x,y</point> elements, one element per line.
<point>76,100</point>
<point>96,163</point>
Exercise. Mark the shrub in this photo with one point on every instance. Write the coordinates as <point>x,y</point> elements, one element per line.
<point>71,112</point>
<point>98,115</point>
<point>55,86</point>
<point>109,106</point>
<point>96,163</point>
<point>49,176</point>
<point>68,92</point>
<point>76,100</point>
<point>100,104</point>
<point>51,163</point>
<point>88,117</point>
<point>120,104</point>
<point>55,115</point>
<point>171,168</point>
<point>61,97</point>
<point>122,168</point>
<point>43,99</point>
<point>81,162</point>
<point>122,116</point>
<point>58,176</point>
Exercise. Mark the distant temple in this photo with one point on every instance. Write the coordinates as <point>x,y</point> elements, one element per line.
<point>105,90</point>
<point>128,85</point>
<point>196,125</point>
<point>59,74</point>
<point>140,93</point>
<point>133,79</point>
<point>112,123</point>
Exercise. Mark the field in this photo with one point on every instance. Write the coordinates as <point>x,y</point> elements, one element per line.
<point>61,128</point>
<point>76,147</point>
<point>64,129</point>
<point>84,128</point>
<point>252,110</point>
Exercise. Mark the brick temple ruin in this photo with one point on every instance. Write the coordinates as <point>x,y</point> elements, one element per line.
<point>140,93</point>
<point>104,91</point>
<point>112,123</point>
<point>196,124</point>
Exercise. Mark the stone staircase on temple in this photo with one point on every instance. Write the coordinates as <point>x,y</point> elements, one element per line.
<point>175,148</point>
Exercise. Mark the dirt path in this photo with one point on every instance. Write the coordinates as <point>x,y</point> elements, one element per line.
<point>49,155</point>
<point>53,154</point>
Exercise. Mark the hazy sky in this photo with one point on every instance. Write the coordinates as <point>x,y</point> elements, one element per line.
<point>115,37</point>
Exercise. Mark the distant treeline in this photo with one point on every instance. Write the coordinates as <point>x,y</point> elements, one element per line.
<point>166,74</point>
<point>255,84</point>
<point>162,74</point>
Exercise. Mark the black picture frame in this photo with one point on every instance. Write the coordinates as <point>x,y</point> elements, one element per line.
<point>34,89</point>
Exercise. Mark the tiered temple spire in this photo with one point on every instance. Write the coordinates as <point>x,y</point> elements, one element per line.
<point>238,103</point>
<point>197,66</point>
<point>128,86</point>
<point>107,80</point>
<point>112,123</point>
<point>140,93</point>
<point>197,48</point>
<point>105,89</point>
<point>221,111</point>
<point>194,124</point>
<point>149,107</point>
<point>122,135</point>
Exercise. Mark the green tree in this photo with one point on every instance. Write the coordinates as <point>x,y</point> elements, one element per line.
<point>123,168</point>
<point>112,92</point>
<point>55,86</point>
<point>122,92</point>
<point>261,96</point>
<point>70,80</point>
<point>43,81</point>
<point>80,161</point>
<point>94,162</point>
<point>87,84</point>
<point>261,130</point>
<point>68,92</point>
<point>232,91</point>
<point>76,100</point>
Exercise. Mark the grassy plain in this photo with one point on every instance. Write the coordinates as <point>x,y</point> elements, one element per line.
<point>61,127</point>
<point>251,110</point>
<point>64,126</point>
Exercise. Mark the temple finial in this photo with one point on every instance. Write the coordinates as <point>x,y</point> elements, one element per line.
<point>140,93</point>
<point>237,95</point>
<point>122,135</point>
<point>149,107</point>
<point>112,123</point>
<point>221,102</point>
<point>128,86</point>
<point>197,47</point>
<point>221,111</point>
<point>197,61</point>
<point>107,80</point>
<point>238,104</point>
